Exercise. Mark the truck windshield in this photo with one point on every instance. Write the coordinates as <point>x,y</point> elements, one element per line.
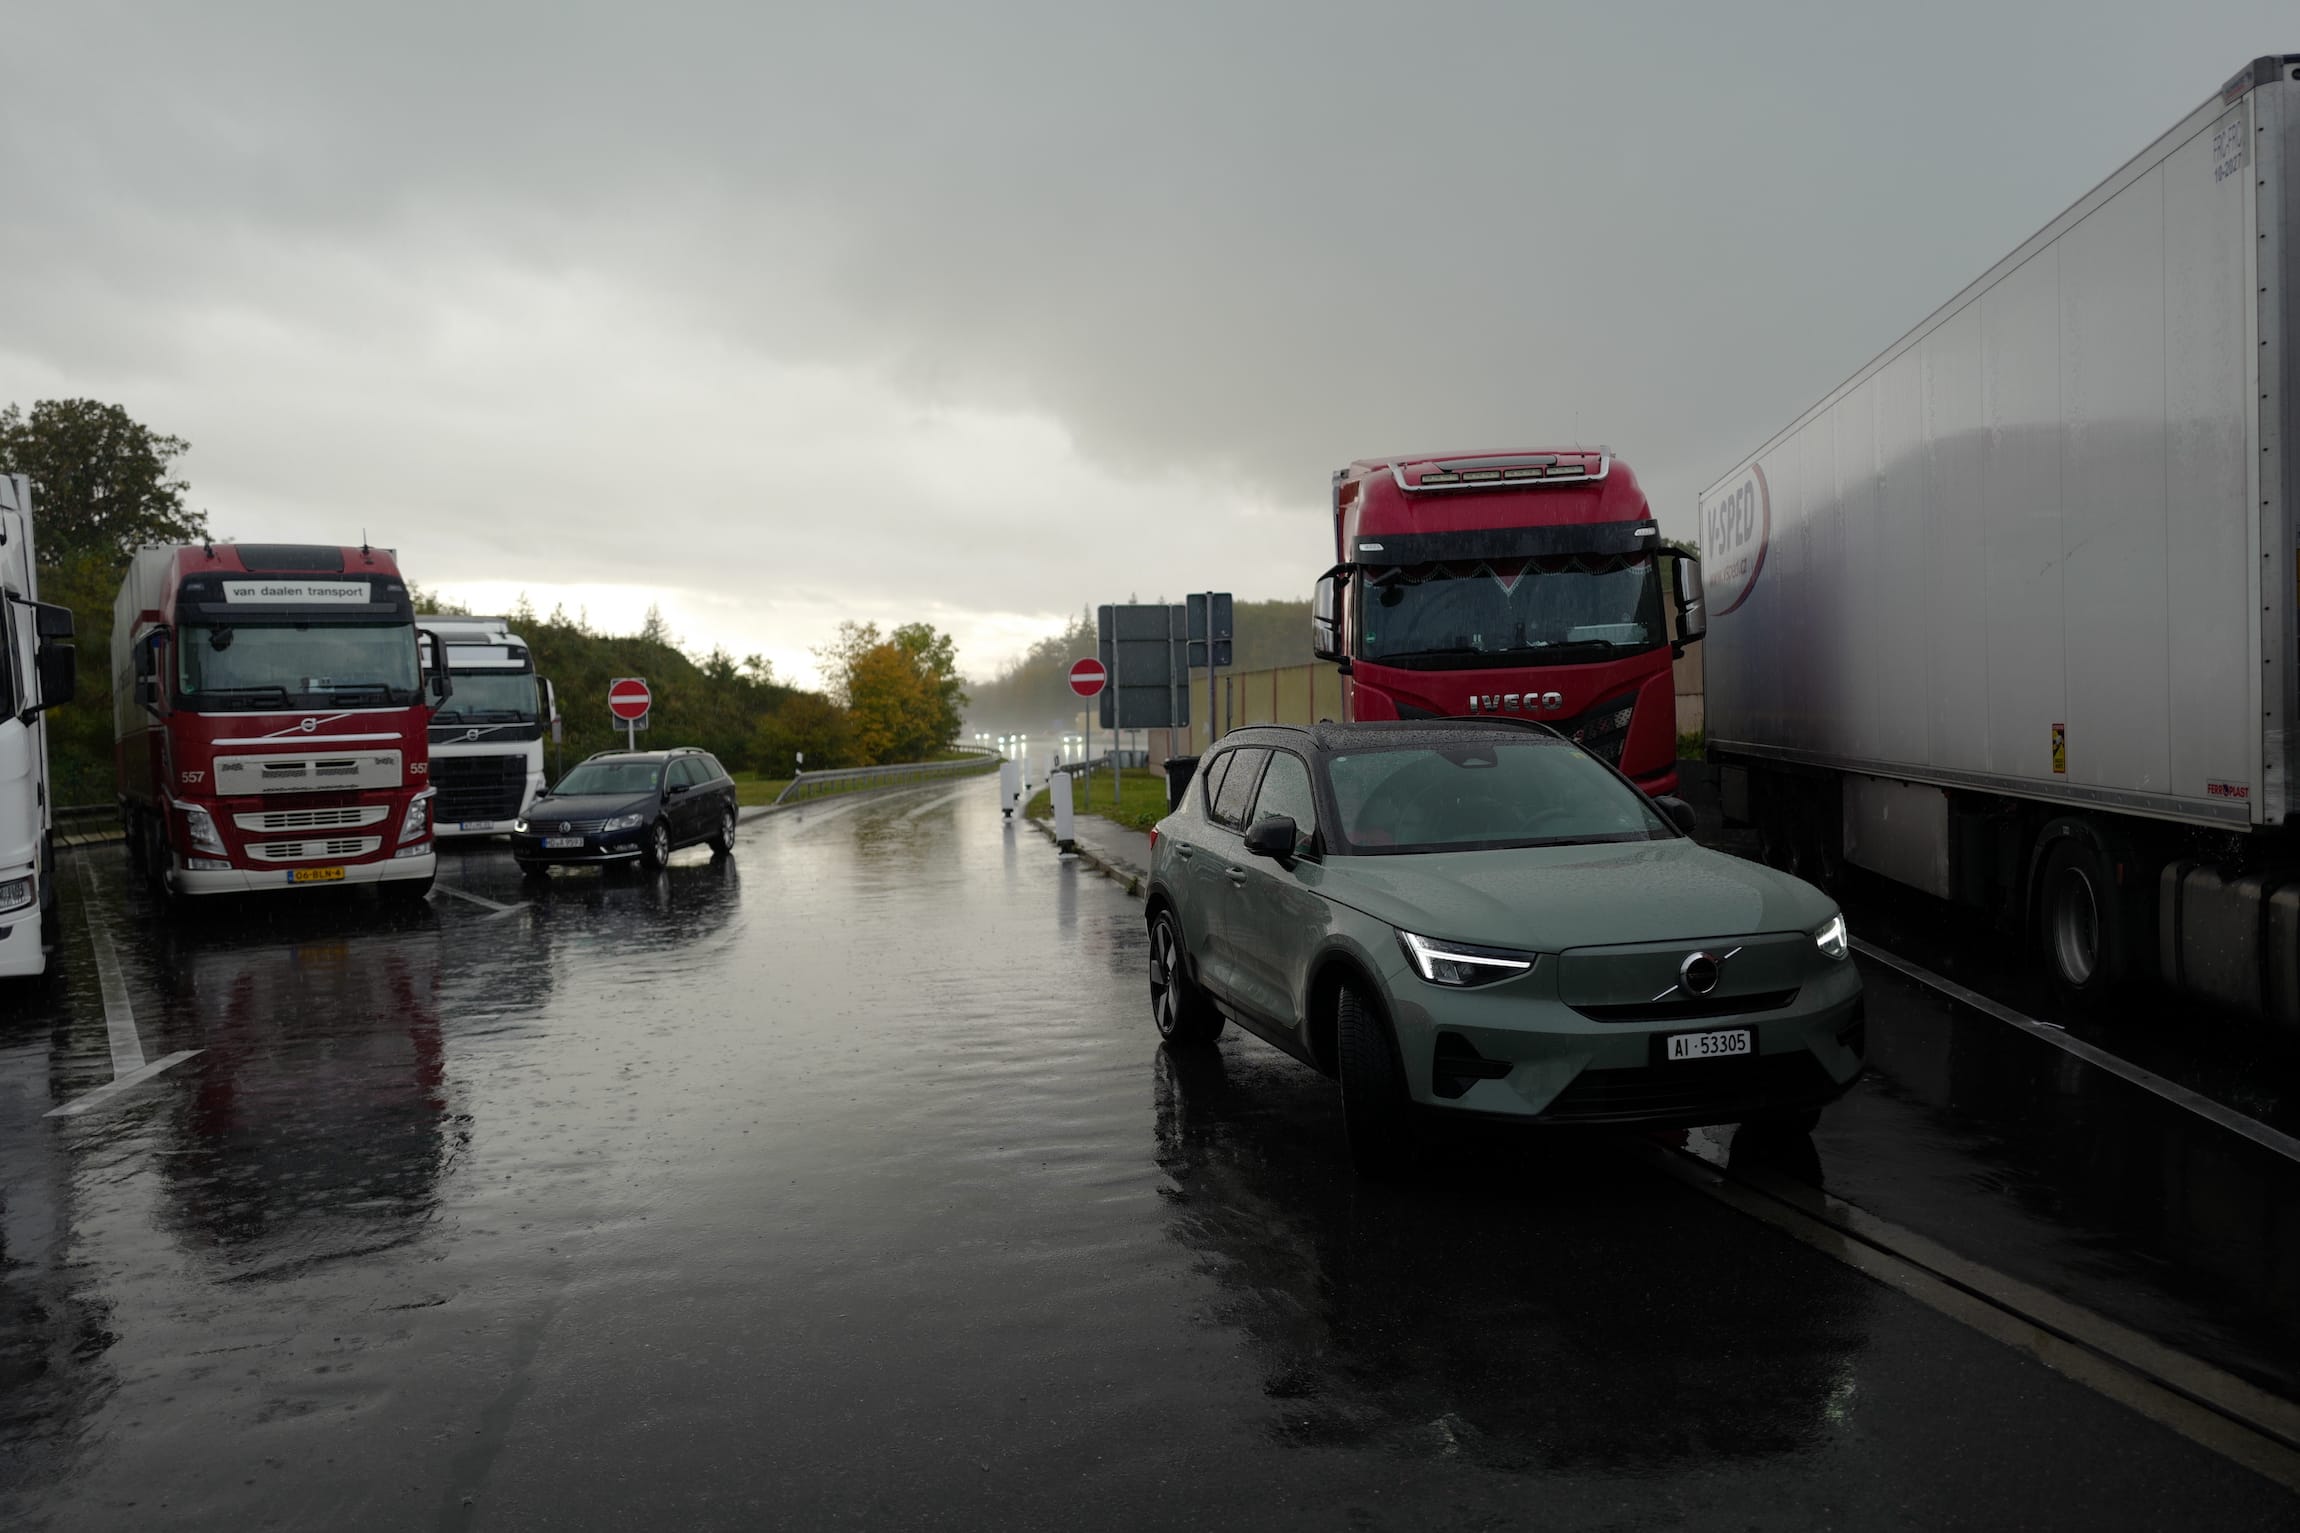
<point>1510,612</point>
<point>318,665</point>
<point>484,695</point>
<point>1483,794</point>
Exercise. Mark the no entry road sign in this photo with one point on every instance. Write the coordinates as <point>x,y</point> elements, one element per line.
<point>628,698</point>
<point>1087,677</point>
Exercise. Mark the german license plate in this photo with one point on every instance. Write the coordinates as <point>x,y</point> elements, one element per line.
<point>563,843</point>
<point>470,824</point>
<point>1738,1040</point>
<point>315,875</point>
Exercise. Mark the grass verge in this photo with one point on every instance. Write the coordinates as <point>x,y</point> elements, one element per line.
<point>1141,802</point>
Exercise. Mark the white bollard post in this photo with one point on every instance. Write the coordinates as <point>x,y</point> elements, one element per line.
<point>1009,786</point>
<point>1065,832</point>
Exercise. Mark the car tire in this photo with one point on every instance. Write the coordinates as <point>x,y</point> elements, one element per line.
<point>1374,1102</point>
<point>657,852</point>
<point>723,839</point>
<point>2080,925</point>
<point>407,891</point>
<point>1186,1018</point>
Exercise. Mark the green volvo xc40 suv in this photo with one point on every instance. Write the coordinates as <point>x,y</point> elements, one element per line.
<point>1479,918</point>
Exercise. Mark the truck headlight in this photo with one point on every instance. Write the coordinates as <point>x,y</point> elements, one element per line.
<point>417,820</point>
<point>201,826</point>
<point>1459,964</point>
<point>625,822</point>
<point>1832,939</point>
<point>16,893</point>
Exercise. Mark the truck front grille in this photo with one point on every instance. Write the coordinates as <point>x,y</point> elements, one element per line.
<point>273,821</point>
<point>478,788</point>
<point>314,851</point>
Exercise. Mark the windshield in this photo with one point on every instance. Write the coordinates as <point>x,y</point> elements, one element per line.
<point>496,695</point>
<point>1577,608</point>
<point>1484,793</point>
<point>297,665</point>
<point>611,777</point>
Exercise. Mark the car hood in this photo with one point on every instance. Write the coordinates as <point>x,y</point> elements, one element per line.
<point>590,806</point>
<point>1547,899</point>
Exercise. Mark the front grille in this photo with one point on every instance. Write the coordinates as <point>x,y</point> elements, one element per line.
<point>276,820</point>
<point>549,827</point>
<point>1686,1008</point>
<point>478,787</point>
<point>1604,729</point>
<point>314,851</point>
<point>1693,1090</point>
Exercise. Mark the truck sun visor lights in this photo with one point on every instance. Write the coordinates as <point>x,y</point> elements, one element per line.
<point>1505,473</point>
<point>1460,965</point>
<point>201,827</point>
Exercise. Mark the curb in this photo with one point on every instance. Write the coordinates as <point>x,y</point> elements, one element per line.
<point>1110,865</point>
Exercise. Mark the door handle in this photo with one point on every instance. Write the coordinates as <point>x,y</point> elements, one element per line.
<point>1184,850</point>
<point>1236,875</point>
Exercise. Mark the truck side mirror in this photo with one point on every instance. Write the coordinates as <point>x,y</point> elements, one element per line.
<point>52,621</point>
<point>434,656</point>
<point>1325,625</point>
<point>148,691</point>
<point>1692,614</point>
<point>58,665</point>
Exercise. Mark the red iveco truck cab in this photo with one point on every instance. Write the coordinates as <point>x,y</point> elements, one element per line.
<point>272,720</point>
<point>1524,583</point>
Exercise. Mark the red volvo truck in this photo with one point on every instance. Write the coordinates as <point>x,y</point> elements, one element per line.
<point>1524,583</point>
<point>272,715</point>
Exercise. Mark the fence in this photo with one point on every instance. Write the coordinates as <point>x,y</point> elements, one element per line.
<point>970,761</point>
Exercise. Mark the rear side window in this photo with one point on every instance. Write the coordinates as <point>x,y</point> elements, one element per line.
<point>1210,779</point>
<point>1237,790</point>
<point>712,771</point>
<point>686,772</point>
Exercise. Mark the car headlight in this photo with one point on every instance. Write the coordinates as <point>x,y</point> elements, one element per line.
<point>519,826</point>
<point>1832,939</point>
<point>202,828</point>
<point>417,820</point>
<point>625,822</point>
<point>1459,964</point>
<point>16,894</point>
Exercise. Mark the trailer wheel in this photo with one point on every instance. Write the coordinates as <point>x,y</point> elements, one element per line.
<point>2081,927</point>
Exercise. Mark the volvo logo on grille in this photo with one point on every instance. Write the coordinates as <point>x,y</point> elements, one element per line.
<point>471,734</point>
<point>1699,973</point>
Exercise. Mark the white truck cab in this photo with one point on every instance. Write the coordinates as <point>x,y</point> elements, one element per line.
<point>36,674</point>
<point>487,739</point>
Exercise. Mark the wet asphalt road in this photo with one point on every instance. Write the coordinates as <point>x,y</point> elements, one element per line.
<point>843,1183</point>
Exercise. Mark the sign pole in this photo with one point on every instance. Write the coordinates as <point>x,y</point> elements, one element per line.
<point>1117,719</point>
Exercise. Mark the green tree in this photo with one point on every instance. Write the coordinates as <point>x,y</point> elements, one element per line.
<point>100,479</point>
<point>806,722</point>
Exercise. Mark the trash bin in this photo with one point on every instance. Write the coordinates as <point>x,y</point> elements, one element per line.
<point>1179,771</point>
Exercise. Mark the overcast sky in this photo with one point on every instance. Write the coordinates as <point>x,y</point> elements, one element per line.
<point>979,312</point>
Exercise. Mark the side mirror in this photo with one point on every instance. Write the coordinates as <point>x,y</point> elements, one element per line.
<point>1692,614</point>
<point>438,682</point>
<point>675,789</point>
<point>52,621</point>
<point>1680,813</point>
<point>59,673</point>
<point>1325,620</point>
<point>1272,835</point>
<point>147,691</point>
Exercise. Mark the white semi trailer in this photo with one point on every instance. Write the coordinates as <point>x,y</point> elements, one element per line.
<point>2009,615</point>
<point>36,674</point>
<point>487,738</point>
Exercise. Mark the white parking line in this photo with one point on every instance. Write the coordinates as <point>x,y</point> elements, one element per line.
<point>128,1066</point>
<point>2171,1091</point>
<point>118,1084</point>
<point>478,899</point>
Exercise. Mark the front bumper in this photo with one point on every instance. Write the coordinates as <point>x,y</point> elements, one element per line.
<point>274,880</point>
<point>449,830</point>
<point>1503,1052</point>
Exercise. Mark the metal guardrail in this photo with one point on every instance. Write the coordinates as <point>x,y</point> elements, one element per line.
<point>854,779</point>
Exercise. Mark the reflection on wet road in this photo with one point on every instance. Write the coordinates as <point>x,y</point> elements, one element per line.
<point>842,1183</point>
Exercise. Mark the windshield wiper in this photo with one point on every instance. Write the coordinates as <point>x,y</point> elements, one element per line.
<point>359,689</point>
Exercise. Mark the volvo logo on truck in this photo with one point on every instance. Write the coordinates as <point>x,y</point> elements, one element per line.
<point>1735,524</point>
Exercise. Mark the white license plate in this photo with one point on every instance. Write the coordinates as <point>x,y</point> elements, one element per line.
<point>1737,1040</point>
<point>470,824</point>
<point>563,843</point>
